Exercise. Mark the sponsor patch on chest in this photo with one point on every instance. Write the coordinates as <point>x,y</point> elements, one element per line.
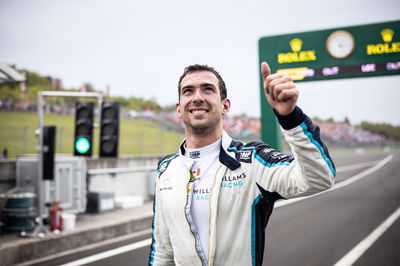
<point>165,183</point>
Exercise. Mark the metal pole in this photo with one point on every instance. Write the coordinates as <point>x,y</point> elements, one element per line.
<point>40,151</point>
<point>100,101</point>
<point>25,139</point>
<point>71,94</point>
<point>40,230</point>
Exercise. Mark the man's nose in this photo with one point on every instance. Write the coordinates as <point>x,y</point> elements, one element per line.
<point>198,97</point>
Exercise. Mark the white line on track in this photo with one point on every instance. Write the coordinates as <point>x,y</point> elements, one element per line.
<point>364,173</point>
<point>354,254</point>
<point>341,184</point>
<point>110,253</point>
<point>351,167</point>
<point>88,247</point>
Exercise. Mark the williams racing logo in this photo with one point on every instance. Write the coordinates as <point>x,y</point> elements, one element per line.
<point>233,181</point>
<point>201,193</point>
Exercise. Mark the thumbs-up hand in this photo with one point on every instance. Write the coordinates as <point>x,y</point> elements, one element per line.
<point>280,90</point>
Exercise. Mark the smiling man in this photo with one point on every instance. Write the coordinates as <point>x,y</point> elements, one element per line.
<point>201,106</point>
<point>214,197</point>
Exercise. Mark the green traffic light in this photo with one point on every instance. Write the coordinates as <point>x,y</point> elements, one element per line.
<point>82,145</point>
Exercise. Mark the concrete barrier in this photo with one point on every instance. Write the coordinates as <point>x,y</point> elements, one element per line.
<point>130,180</point>
<point>7,175</point>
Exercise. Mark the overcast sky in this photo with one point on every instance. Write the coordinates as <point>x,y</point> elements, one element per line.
<point>140,48</point>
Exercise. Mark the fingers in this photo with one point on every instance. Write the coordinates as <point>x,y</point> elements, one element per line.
<point>288,95</point>
<point>281,87</point>
<point>265,70</point>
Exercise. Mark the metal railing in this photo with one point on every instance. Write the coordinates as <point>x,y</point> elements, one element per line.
<point>112,171</point>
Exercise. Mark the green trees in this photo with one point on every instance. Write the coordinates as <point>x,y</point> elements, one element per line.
<point>36,82</point>
<point>387,130</point>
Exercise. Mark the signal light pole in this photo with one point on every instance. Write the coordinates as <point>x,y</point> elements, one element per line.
<point>40,230</point>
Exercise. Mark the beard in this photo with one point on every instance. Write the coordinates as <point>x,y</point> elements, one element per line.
<point>201,128</point>
<point>205,125</point>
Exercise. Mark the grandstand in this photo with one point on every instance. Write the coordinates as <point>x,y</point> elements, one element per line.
<point>244,127</point>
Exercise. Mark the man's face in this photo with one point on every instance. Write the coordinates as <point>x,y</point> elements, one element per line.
<point>200,106</point>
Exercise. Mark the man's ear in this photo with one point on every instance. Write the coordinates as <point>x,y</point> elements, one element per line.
<point>226,106</point>
<point>178,110</point>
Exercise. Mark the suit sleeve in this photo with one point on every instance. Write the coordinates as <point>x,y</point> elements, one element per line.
<point>161,252</point>
<point>308,170</point>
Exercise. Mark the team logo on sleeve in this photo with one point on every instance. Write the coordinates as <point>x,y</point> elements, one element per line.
<point>273,156</point>
<point>267,150</point>
<point>245,156</point>
<point>278,156</point>
<point>163,167</point>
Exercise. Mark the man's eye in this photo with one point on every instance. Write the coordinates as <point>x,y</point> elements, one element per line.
<point>186,91</point>
<point>209,89</point>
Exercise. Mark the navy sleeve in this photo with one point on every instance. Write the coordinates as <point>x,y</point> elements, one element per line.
<point>292,120</point>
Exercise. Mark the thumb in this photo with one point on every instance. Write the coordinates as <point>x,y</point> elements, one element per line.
<point>265,70</point>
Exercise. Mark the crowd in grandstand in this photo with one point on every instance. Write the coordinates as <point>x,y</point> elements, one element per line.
<point>243,126</point>
<point>345,133</point>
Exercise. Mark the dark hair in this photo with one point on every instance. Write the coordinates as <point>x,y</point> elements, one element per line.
<point>195,68</point>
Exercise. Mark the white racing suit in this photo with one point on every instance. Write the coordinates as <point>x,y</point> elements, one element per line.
<point>248,179</point>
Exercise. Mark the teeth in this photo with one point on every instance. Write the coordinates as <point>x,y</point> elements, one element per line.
<point>199,111</point>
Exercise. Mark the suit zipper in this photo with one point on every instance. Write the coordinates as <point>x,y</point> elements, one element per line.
<point>188,198</point>
<point>209,217</point>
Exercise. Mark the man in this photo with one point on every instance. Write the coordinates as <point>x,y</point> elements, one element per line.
<point>214,197</point>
